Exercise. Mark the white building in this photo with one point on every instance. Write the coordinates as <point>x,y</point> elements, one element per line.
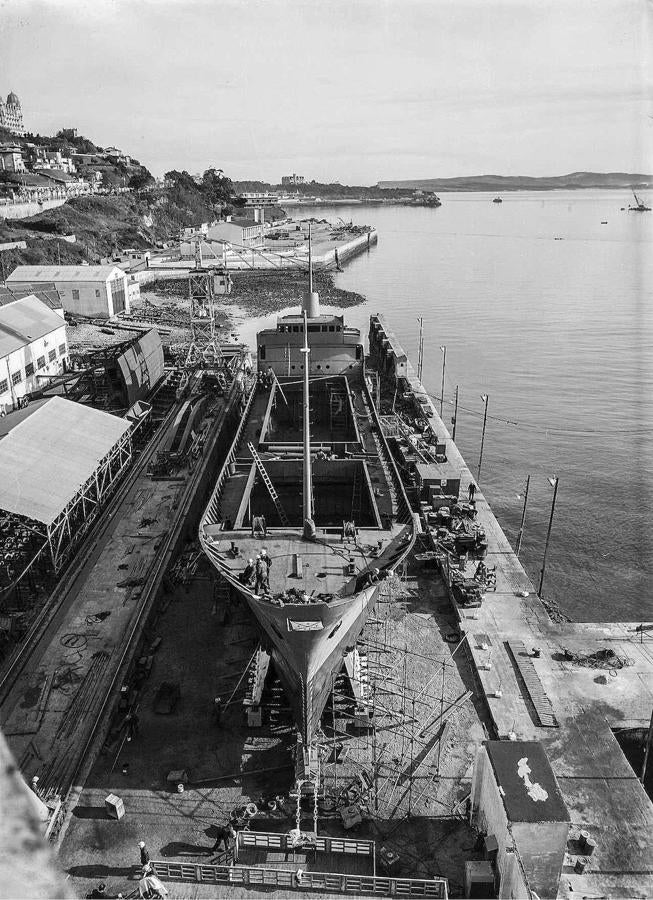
<point>11,158</point>
<point>244,232</point>
<point>96,291</point>
<point>32,343</point>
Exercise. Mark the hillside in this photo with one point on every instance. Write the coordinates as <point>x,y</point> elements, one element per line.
<point>573,181</point>
<point>102,222</point>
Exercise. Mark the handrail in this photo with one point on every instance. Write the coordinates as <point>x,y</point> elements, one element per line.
<point>301,880</point>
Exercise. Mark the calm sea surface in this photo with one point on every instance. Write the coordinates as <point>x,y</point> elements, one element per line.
<point>550,313</point>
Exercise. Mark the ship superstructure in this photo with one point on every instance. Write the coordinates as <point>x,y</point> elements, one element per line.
<point>309,480</point>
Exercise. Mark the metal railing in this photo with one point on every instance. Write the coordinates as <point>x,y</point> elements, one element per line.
<point>325,844</point>
<point>331,882</point>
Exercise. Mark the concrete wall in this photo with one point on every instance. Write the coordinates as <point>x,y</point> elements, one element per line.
<point>542,847</point>
<point>30,354</point>
<point>23,210</point>
<point>489,815</point>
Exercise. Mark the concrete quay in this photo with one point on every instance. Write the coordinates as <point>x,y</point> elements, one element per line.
<point>590,704</point>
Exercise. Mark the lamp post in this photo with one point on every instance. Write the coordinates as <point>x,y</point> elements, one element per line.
<point>554,484</point>
<point>485,399</point>
<point>455,416</point>
<point>444,364</point>
<point>420,348</point>
<point>523,517</point>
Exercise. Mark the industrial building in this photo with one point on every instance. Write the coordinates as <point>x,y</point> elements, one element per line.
<point>95,291</point>
<point>32,345</point>
<point>58,463</point>
<point>240,231</point>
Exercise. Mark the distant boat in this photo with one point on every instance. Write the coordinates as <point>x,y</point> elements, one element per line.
<point>641,207</point>
<point>497,200</point>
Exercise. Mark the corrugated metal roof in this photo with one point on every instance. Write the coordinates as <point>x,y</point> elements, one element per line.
<point>62,273</point>
<point>45,292</point>
<point>48,456</point>
<point>25,320</point>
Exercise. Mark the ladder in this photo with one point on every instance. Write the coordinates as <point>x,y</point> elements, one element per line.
<point>266,479</point>
<point>338,413</point>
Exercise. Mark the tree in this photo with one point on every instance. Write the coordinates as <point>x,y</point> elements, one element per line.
<point>141,179</point>
<point>216,187</point>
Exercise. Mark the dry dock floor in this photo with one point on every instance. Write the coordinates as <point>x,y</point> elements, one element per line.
<point>199,646</point>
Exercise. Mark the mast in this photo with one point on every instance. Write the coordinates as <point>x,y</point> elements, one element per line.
<point>309,524</point>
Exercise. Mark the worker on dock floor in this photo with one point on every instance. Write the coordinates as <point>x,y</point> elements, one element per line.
<point>226,837</point>
<point>471,491</point>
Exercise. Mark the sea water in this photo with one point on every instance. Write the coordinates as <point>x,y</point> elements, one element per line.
<point>549,312</point>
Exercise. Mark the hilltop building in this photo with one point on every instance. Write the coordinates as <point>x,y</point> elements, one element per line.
<point>11,115</point>
<point>11,158</point>
<point>292,179</point>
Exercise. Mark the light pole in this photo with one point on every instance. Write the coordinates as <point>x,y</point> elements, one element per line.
<point>523,517</point>
<point>485,399</point>
<point>444,364</point>
<point>455,417</point>
<point>420,348</point>
<point>554,484</point>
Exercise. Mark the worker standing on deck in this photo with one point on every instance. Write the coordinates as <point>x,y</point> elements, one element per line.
<point>471,491</point>
<point>247,574</point>
<point>267,562</point>
<point>260,575</point>
<point>145,856</point>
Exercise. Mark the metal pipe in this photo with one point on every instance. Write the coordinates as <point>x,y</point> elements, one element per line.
<point>484,397</point>
<point>523,517</point>
<point>554,483</point>
<point>444,364</point>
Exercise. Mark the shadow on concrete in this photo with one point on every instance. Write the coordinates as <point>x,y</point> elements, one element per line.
<point>91,812</point>
<point>180,848</point>
<point>99,871</point>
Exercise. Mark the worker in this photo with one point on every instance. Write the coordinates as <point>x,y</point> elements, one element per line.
<point>217,709</point>
<point>267,562</point>
<point>145,856</point>
<point>226,836</point>
<point>149,885</point>
<point>259,528</point>
<point>471,491</point>
<point>99,891</point>
<point>131,725</point>
<point>247,574</point>
<point>261,574</point>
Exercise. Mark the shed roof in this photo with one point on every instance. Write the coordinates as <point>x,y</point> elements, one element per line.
<point>49,455</point>
<point>63,273</point>
<point>525,778</point>
<point>45,292</point>
<point>25,320</point>
<point>244,222</point>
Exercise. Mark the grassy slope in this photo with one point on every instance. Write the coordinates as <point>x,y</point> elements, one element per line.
<point>128,219</point>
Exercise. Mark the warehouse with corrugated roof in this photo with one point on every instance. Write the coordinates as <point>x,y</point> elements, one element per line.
<point>33,347</point>
<point>95,291</point>
<point>58,462</point>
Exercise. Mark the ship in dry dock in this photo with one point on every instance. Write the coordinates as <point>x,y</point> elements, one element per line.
<point>310,479</point>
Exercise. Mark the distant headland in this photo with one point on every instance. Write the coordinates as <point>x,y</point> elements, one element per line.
<point>574,181</point>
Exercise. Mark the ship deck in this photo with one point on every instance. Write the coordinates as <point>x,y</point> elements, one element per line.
<point>353,480</point>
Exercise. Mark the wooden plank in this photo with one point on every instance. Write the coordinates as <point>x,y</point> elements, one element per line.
<point>533,685</point>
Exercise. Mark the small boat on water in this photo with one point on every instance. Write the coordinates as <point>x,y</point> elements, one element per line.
<point>640,206</point>
<point>310,479</point>
<point>497,200</point>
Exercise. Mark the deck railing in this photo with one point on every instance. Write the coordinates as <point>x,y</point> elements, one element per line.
<point>330,882</point>
<point>324,844</point>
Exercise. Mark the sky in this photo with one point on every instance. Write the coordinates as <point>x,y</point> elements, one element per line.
<point>354,91</point>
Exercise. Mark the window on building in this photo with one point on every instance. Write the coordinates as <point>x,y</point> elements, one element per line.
<point>4,386</point>
<point>75,295</point>
<point>29,369</point>
<point>62,349</point>
<point>52,355</point>
<point>97,293</point>
<point>40,362</point>
<point>16,377</point>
